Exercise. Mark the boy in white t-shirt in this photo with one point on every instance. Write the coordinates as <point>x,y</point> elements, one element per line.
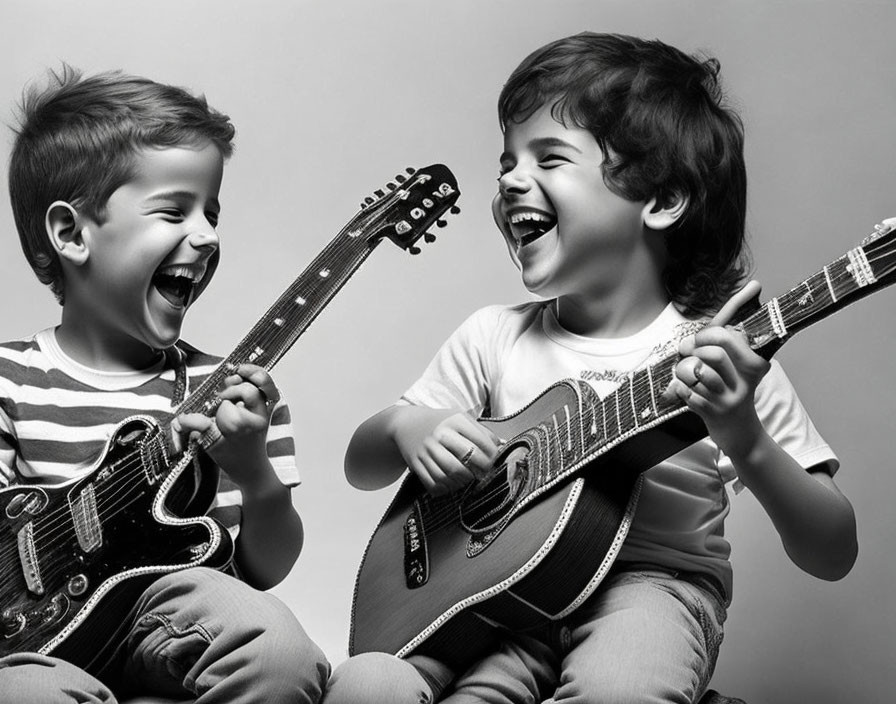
<point>621,198</point>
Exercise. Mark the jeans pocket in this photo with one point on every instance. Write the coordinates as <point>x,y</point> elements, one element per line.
<point>165,652</point>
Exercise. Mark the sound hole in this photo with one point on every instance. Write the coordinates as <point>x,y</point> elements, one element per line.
<point>488,502</point>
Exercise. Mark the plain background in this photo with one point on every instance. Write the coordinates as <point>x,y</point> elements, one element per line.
<point>331,99</point>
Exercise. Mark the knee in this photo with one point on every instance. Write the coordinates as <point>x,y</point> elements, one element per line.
<point>377,677</point>
<point>286,654</point>
<point>29,678</point>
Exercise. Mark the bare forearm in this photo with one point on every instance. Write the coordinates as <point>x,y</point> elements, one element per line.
<point>815,521</point>
<point>373,458</point>
<point>271,533</point>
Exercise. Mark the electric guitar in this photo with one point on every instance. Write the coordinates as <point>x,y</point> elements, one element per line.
<point>75,556</point>
<point>528,543</point>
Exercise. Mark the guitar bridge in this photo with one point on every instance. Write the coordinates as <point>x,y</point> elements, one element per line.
<point>416,557</point>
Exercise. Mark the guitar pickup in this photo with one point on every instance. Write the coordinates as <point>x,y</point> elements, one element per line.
<point>416,556</point>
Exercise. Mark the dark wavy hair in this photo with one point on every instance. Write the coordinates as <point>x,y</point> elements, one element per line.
<point>77,141</point>
<point>660,119</point>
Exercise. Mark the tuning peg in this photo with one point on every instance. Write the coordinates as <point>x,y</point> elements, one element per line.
<point>379,193</point>
<point>391,186</point>
<point>401,178</point>
<point>441,223</point>
<point>414,250</point>
<point>411,170</point>
<point>454,210</point>
<point>429,237</point>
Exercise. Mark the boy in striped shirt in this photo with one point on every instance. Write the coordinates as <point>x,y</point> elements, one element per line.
<point>114,183</point>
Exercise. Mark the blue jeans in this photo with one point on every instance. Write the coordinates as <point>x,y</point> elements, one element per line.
<point>645,636</point>
<point>197,634</point>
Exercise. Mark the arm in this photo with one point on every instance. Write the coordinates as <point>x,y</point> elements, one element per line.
<point>717,379</point>
<point>435,444</point>
<point>271,532</point>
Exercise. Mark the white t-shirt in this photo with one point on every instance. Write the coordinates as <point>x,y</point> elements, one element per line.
<point>502,357</point>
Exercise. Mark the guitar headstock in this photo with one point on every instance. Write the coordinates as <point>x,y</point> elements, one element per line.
<point>405,210</point>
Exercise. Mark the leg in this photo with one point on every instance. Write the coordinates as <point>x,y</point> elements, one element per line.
<point>643,638</point>
<point>522,671</point>
<point>29,678</point>
<point>204,634</point>
<point>381,677</point>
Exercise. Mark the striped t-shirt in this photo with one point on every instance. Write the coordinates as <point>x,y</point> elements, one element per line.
<point>56,415</point>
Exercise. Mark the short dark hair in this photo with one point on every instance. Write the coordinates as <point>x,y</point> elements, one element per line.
<point>77,139</point>
<point>661,122</point>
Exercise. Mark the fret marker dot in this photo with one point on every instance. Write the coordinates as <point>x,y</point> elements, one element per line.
<point>301,301</point>
<point>324,273</point>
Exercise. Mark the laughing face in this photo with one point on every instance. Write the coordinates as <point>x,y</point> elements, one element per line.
<point>569,234</point>
<point>143,260</point>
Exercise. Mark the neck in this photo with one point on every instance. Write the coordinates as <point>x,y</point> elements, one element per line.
<point>103,350</point>
<point>621,314</point>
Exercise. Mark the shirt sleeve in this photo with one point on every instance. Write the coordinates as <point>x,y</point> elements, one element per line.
<point>281,452</point>
<point>787,422</point>
<point>458,376</point>
<point>8,453</point>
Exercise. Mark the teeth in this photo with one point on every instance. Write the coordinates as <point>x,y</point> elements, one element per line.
<point>182,270</point>
<point>517,218</point>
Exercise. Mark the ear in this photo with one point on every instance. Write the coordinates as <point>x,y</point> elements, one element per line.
<point>64,232</point>
<point>661,213</point>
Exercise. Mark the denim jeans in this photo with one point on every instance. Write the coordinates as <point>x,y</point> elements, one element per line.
<point>646,635</point>
<point>196,634</point>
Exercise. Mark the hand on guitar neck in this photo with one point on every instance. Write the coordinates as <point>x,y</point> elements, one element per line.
<point>718,375</point>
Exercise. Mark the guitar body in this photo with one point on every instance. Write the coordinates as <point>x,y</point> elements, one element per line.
<point>60,560</point>
<point>536,558</point>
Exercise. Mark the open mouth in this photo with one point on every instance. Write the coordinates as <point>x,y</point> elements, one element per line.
<point>177,283</point>
<point>527,226</point>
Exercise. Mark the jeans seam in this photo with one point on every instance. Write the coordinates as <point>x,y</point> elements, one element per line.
<point>173,630</point>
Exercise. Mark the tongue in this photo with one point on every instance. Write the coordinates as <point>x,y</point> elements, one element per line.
<point>174,289</point>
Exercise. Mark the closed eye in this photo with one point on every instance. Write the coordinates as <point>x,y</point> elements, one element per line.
<point>550,161</point>
<point>171,214</point>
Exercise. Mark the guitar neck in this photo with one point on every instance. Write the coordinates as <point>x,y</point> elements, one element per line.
<point>289,316</point>
<point>858,273</point>
<point>401,213</point>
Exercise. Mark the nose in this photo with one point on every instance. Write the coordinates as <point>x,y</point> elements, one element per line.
<point>514,181</point>
<point>203,235</point>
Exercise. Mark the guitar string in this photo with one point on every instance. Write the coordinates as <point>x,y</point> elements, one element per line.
<point>280,341</point>
<point>838,279</point>
<point>629,422</point>
<point>563,427</point>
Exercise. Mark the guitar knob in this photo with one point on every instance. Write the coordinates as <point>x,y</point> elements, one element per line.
<point>441,223</point>
<point>414,250</point>
<point>455,210</point>
<point>429,237</point>
<point>11,622</point>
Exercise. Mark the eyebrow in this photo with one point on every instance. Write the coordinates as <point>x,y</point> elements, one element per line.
<point>542,143</point>
<point>178,195</point>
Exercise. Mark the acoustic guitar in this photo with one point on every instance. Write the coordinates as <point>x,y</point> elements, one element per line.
<point>530,541</point>
<point>75,556</point>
